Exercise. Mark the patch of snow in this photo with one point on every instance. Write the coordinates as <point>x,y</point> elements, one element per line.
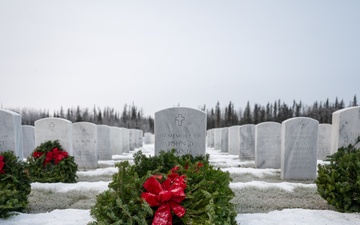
<point>99,186</point>
<point>263,185</point>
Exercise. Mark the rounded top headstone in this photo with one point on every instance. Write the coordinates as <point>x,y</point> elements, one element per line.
<point>180,128</point>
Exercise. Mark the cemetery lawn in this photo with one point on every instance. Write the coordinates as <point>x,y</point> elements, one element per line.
<point>261,197</point>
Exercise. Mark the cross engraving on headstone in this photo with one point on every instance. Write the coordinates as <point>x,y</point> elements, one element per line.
<point>179,120</point>
<point>52,126</point>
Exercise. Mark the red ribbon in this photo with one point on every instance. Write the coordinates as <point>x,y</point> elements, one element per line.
<point>2,164</point>
<point>37,154</point>
<point>59,155</point>
<point>167,196</point>
<point>55,154</point>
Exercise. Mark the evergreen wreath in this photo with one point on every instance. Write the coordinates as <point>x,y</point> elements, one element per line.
<point>14,185</point>
<point>50,163</point>
<point>166,189</point>
<point>339,181</point>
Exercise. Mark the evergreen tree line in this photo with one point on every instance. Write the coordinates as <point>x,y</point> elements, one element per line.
<point>130,117</point>
<point>277,111</point>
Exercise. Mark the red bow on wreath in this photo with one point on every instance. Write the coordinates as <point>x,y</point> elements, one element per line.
<point>55,154</point>
<point>2,164</point>
<point>167,196</point>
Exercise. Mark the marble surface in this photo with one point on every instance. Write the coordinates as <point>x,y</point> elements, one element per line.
<point>125,138</point>
<point>51,129</point>
<point>268,145</point>
<point>181,128</point>
<point>234,140</point>
<point>345,127</point>
<point>115,140</point>
<point>85,145</point>
<point>103,142</point>
<point>225,139</point>
<point>299,140</point>
<point>324,141</point>
<point>217,138</point>
<point>247,142</point>
<point>148,139</point>
<point>28,135</point>
<point>11,132</point>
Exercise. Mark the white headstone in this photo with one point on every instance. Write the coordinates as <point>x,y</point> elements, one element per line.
<point>299,140</point>
<point>125,140</point>
<point>11,132</point>
<point>148,138</point>
<point>136,138</point>
<point>212,138</point>
<point>28,134</point>
<point>345,128</point>
<point>140,138</point>
<point>234,140</point>
<point>247,142</point>
<point>103,142</point>
<point>324,141</point>
<point>217,138</point>
<point>183,129</point>
<point>268,145</point>
<point>225,139</point>
<point>85,145</point>
<point>153,139</point>
<point>208,138</point>
<point>115,140</point>
<point>51,129</point>
<point>132,137</point>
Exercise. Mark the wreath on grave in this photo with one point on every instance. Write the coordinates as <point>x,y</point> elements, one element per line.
<point>338,182</point>
<point>50,163</point>
<point>14,185</point>
<point>166,189</point>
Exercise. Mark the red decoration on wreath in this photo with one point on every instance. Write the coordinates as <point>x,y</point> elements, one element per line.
<point>198,166</point>
<point>167,196</point>
<point>55,154</point>
<point>2,164</point>
<point>37,154</point>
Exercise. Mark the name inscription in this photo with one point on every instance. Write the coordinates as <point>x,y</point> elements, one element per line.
<point>196,136</point>
<point>183,143</point>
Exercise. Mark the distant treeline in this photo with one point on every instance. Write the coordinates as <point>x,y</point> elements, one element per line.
<point>277,111</point>
<point>132,117</point>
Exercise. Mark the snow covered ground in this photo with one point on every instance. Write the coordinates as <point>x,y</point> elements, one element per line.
<point>224,161</point>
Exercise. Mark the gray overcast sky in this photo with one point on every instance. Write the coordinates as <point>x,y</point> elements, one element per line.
<point>158,54</point>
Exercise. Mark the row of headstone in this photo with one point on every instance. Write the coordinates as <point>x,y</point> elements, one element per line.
<point>291,146</point>
<point>256,138</point>
<point>294,146</point>
<point>185,130</point>
<point>87,142</point>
